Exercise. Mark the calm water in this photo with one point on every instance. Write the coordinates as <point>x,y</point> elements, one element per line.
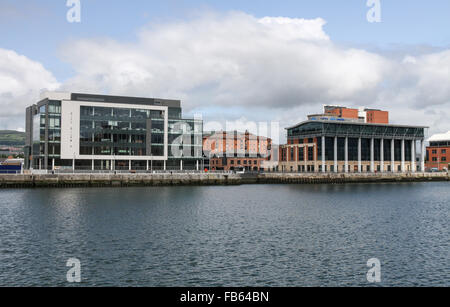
<point>255,235</point>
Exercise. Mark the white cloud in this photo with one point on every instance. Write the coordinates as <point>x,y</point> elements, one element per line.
<point>21,80</point>
<point>233,59</point>
<point>431,79</point>
<point>269,68</point>
<point>295,28</point>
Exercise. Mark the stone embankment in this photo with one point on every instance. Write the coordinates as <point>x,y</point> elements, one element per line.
<point>174,179</point>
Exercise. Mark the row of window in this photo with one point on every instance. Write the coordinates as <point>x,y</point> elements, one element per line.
<point>120,151</point>
<point>435,159</point>
<point>117,125</point>
<point>346,129</point>
<point>443,151</point>
<point>238,162</point>
<point>86,111</point>
<point>300,154</point>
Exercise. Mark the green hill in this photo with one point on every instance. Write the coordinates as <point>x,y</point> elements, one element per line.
<point>12,138</point>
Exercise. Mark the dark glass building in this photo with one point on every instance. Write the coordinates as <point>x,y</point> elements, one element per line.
<point>345,146</point>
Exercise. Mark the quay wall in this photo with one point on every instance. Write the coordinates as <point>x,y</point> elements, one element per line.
<point>175,179</point>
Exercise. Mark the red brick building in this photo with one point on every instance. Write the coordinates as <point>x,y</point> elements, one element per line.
<point>237,151</point>
<point>438,152</point>
<point>341,112</point>
<point>299,155</point>
<point>376,116</point>
<point>371,116</point>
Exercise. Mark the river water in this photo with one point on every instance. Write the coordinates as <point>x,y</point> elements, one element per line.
<point>250,235</point>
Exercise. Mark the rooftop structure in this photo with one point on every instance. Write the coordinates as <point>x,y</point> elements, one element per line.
<point>438,152</point>
<point>442,137</point>
<point>340,113</point>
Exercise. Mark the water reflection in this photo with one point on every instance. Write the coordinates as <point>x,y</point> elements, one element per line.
<point>254,235</point>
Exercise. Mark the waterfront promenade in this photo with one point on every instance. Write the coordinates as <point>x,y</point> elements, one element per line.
<point>198,178</point>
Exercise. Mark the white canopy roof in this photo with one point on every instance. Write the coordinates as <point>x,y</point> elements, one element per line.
<point>440,137</point>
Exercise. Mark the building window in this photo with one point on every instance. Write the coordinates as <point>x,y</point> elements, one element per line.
<point>301,154</point>
<point>434,151</point>
<point>310,153</point>
<point>444,159</point>
<point>434,159</point>
<point>443,151</point>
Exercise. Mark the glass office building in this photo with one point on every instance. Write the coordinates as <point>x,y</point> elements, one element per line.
<point>106,133</point>
<point>344,146</point>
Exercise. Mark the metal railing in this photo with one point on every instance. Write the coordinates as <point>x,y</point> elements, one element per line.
<point>124,171</point>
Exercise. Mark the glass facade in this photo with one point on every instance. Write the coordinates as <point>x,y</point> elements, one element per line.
<point>311,129</point>
<point>46,134</point>
<point>185,138</point>
<point>121,131</point>
<point>38,147</point>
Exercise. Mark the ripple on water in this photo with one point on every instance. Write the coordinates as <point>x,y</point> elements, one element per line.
<point>256,235</point>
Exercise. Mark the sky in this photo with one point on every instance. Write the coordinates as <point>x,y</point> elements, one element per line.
<point>238,61</point>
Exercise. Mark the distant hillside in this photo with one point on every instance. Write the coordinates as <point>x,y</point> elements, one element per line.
<point>12,138</point>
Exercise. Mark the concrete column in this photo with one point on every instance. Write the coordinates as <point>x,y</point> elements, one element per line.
<point>335,155</point>
<point>53,164</point>
<point>382,155</point>
<point>372,155</point>
<point>129,165</point>
<point>323,154</point>
<point>346,154</point>
<point>164,165</point>
<point>112,165</point>
<point>73,165</point>
<point>93,165</point>
<point>422,155</point>
<point>403,155</point>
<point>147,165</point>
<point>413,156</point>
<point>393,156</point>
<point>197,166</point>
<point>359,156</point>
<point>181,165</point>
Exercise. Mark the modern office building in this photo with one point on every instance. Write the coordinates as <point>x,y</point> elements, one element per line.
<point>100,132</point>
<point>352,146</point>
<point>233,150</point>
<point>438,152</point>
